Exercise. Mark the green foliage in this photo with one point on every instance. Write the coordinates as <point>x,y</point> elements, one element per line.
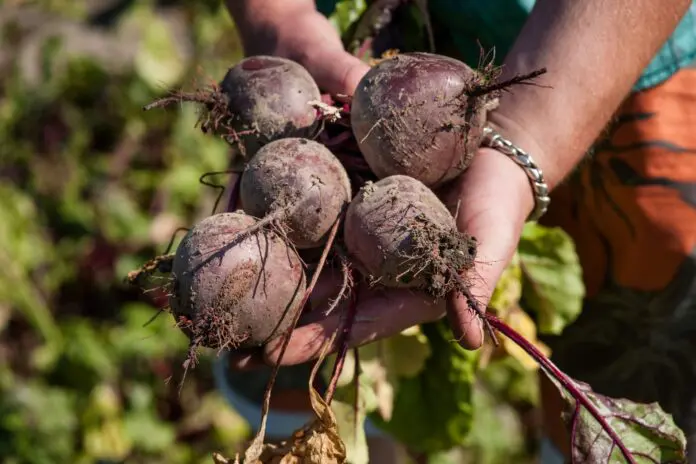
<point>552,277</point>
<point>345,13</point>
<point>433,411</point>
<point>90,187</point>
<point>645,430</point>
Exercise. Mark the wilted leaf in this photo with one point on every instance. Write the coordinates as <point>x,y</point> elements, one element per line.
<point>553,287</point>
<point>316,443</point>
<point>644,430</point>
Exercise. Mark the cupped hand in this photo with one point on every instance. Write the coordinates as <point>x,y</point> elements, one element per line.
<point>334,69</point>
<point>494,198</point>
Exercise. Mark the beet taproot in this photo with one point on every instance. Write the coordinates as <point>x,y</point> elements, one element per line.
<point>271,95</point>
<point>400,234</point>
<point>415,114</point>
<point>234,287</point>
<point>302,181</point>
<point>260,99</point>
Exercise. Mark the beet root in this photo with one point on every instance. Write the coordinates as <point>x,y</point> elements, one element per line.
<point>260,99</point>
<point>234,288</point>
<point>415,114</point>
<point>401,235</point>
<point>304,181</point>
<point>271,95</point>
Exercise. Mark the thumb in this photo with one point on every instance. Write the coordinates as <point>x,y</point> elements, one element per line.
<point>494,197</point>
<point>337,73</point>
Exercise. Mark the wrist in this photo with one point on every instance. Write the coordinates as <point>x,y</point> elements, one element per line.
<point>527,160</point>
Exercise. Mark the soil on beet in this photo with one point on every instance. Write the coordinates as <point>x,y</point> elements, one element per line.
<point>260,99</point>
<point>400,233</point>
<point>441,252</point>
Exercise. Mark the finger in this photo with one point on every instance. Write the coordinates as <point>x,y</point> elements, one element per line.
<point>379,314</point>
<point>327,288</point>
<point>337,73</point>
<point>495,216</point>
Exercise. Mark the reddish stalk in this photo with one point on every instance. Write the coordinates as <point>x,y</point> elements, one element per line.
<point>342,347</point>
<point>550,368</point>
<point>257,442</point>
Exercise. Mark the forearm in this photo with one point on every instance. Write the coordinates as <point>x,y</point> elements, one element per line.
<point>594,51</point>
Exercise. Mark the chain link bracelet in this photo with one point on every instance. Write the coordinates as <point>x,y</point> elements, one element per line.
<point>493,139</point>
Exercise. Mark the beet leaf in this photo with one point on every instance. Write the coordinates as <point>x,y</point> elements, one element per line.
<point>605,430</point>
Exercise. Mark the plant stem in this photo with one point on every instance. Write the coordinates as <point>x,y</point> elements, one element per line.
<point>255,448</point>
<point>552,370</point>
<point>515,80</point>
<point>342,347</point>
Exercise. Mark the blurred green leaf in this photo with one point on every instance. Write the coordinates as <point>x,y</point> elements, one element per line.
<point>508,290</point>
<point>38,424</point>
<point>433,411</point>
<point>147,432</point>
<point>86,358</point>
<point>104,435</point>
<point>345,13</point>
<point>496,435</point>
<point>90,185</point>
<point>159,61</point>
<point>142,336</point>
<point>553,288</point>
<point>25,251</point>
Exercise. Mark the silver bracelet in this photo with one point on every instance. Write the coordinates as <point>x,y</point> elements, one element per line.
<point>493,139</point>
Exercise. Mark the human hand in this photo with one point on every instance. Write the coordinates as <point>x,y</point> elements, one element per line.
<point>308,38</point>
<point>494,200</point>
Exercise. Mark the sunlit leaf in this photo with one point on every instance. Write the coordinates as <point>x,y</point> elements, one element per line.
<point>522,323</point>
<point>644,431</point>
<point>159,60</point>
<point>345,13</point>
<point>553,288</point>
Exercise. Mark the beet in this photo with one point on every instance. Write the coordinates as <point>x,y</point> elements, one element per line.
<point>412,115</point>
<point>260,99</point>
<point>232,288</point>
<point>400,234</point>
<point>271,95</point>
<point>303,181</point>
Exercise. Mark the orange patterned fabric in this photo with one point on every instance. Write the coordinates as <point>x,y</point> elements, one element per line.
<point>631,209</point>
